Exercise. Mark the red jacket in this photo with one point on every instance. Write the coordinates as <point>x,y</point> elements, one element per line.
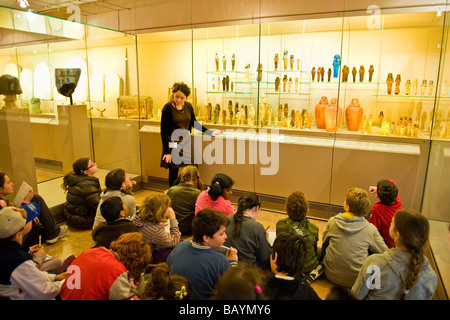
<point>95,273</point>
<point>381,218</point>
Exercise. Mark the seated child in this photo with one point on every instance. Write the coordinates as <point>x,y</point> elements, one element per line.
<point>404,271</point>
<point>297,208</point>
<point>217,196</point>
<point>118,184</point>
<point>286,261</point>
<point>197,260</point>
<point>246,234</point>
<point>114,211</point>
<point>19,277</point>
<point>183,197</point>
<point>163,286</point>
<point>383,211</point>
<point>347,239</point>
<point>150,220</point>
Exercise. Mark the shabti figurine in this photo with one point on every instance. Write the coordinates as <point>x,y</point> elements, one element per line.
<point>289,85</point>
<point>415,85</point>
<point>371,71</point>
<point>291,61</point>
<point>216,59</point>
<point>430,87</point>
<point>408,87</point>
<point>336,65</point>
<point>286,110</point>
<point>389,82</point>
<point>361,74</point>
<point>329,74</point>
<point>277,84</point>
<point>296,84</point>
<point>224,62</point>
<point>354,72</point>
<point>280,112</point>
<point>313,73</point>
<point>233,61</point>
<point>381,117</point>
<point>423,87</point>
<point>322,73</point>
<point>247,71</point>
<point>285,59</point>
<point>275,60</point>
<point>398,79</point>
<point>259,71</point>
<point>285,79</point>
<point>345,72</point>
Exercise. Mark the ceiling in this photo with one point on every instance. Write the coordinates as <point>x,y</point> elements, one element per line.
<point>59,8</point>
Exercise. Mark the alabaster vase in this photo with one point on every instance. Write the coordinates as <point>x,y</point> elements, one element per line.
<point>333,115</point>
<point>320,118</point>
<point>353,115</point>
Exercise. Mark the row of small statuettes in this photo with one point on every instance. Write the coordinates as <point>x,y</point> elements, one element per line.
<point>327,114</point>
<point>414,85</point>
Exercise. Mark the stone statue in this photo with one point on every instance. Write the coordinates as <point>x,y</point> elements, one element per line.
<point>10,87</point>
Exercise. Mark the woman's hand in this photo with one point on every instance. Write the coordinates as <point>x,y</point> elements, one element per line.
<point>167,158</point>
<point>216,132</point>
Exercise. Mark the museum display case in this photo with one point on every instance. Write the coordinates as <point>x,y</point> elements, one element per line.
<point>61,63</point>
<point>318,102</point>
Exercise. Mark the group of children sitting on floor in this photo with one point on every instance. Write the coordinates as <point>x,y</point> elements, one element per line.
<point>225,254</point>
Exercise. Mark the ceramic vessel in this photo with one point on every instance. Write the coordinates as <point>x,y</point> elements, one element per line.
<point>320,119</point>
<point>353,115</point>
<point>333,116</point>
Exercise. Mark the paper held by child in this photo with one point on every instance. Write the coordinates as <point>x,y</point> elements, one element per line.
<point>22,193</point>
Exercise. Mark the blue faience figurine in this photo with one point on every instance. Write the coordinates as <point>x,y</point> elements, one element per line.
<point>336,65</point>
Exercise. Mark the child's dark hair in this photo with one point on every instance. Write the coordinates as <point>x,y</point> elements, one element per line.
<point>79,167</point>
<point>387,192</point>
<point>111,207</point>
<point>114,180</point>
<point>246,202</point>
<point>206,223</point>
<point>291,253</point>
<point>297,206</point>
<point>240,283</point>
<point>219,183</point>
<point>167,286</point>
<point>414,230</point>
<point>2,179</point>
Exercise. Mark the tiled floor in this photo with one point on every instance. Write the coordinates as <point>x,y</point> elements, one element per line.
<point>78,240</point>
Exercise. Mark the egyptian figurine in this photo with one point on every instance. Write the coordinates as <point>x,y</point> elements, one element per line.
<point>430,87</point>
<point>336,65</point>
<point>423,87</point>
<point>292,117</point>
<point>381,117</point>
<point>319,70</point>
<point>224,62</point>
<point>247,71</point>
<point>277,84</point>
<point>227,83</point>
<point>224,84</point>
<point>361,74</point>
<point>259,72</point>
<point>389,82</point>
<point>329,74</point>
<point>322,73</point>
<point>354,72</point>
<point>398,79</point>
<point>286,110</point>
<point>280,112</point>
<point>216,58</point>
<point>230,111</point>
<point>408,87</point>
<point>285,79</point>
<point>289,85</point>
<point>313,73</point>
<point>415,84</point>
<point>233,61</point>
<point>216,113</point>
<point>291,61</point>
<point>275,60</point>
<point>298,64</point>
<point>269,115</point>
<point>371,71</point>
<point>285,59</point>
<point>345,72</point>
<point>296,84</point>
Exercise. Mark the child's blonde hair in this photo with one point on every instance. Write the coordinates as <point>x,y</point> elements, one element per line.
<point>358,201</point>
<point>154,207</point>
<point>191,173</point>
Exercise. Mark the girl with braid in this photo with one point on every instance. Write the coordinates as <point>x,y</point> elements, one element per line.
<point>403,272</point>
<point>247,235</point>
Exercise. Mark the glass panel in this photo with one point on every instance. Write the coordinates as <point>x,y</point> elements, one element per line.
<point>435,196</point>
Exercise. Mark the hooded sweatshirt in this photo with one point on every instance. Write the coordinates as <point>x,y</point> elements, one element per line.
<point>347,241</point>
<point>204,200</point>
<point>392,266</point>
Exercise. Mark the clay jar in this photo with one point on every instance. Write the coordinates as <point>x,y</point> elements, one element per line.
<point>320,118</point>
<point>333,115</point>
<point>353,115</point>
